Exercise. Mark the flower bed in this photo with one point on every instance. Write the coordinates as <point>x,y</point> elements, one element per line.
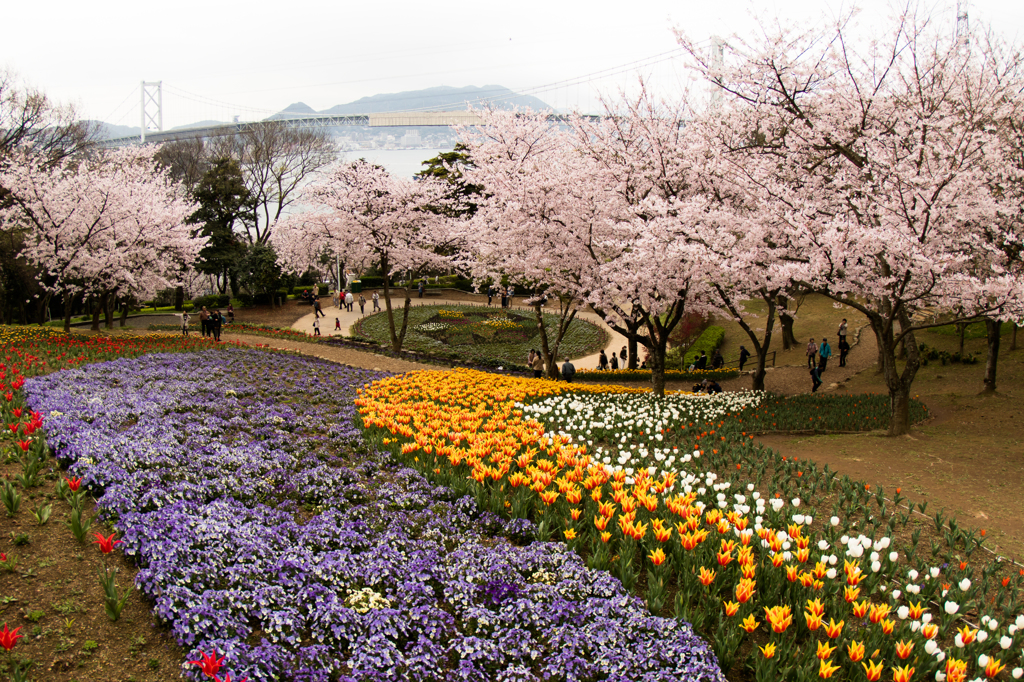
<point>267,531</point>
<point>477,332</point>
<point>792,573</point>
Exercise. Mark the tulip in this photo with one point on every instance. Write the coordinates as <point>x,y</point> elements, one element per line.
<point>8,638</point>
<point>825,669</point>
<point>209,663</point>
<point>904,649</point>
<point>834,629</point>
<point>780,618</point>
<point>657,557</point>
<point>993,667</point>
<point>744,591</point>
<point>855,651</point>
<point>903,674</point>
<point>768,650</point>
<point>824,650</point>
<point>749,624</point>
<point>106,544</point>
<point>74,483</point>
<point>731,607</point>
<point>570,534</point>
<point>706,577</point>
<point>873,670</point>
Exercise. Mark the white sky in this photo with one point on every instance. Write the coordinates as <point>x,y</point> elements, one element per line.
<point>217,59</point>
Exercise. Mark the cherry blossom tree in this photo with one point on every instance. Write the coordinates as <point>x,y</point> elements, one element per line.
<point>114,224</point>
<point>874,161</point>
<point>361,209</point>
<point>649,270</point>
<point>537,217</point>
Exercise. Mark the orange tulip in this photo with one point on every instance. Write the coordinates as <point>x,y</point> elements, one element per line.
<point>706,577</point>
<point>749,624</point>
<point>768,650</point>
<point>834,629</point>
<point>903,674</point>
<point>993,668</point>
<point>855,651</point>
<point>657,557</point>
<point>744,590</point>
<point>873,670</point>
<point>780,618</point>
<point>904,649</point>
<point>825,669</point>
<point>824,650</point>
<point>731,607</point>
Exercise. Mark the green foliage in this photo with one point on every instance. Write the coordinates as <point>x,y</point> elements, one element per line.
<point>79,526</point>
<point>709,341</point>
<point>42,513</point>
<point>449,166</point>
<point>259,271</point>
<point>11,498</point>
<point>224,201</point>
<point>113,601</point>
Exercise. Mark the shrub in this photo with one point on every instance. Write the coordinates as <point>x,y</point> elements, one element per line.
<point>708,342</point>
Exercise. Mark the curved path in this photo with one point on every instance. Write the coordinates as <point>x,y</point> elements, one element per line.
<point>346,320</point>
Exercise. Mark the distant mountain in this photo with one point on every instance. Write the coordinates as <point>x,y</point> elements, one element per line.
<point>200,124</point>
<point>109,130</point>
<point>441,98</point>
<point>296,110</point>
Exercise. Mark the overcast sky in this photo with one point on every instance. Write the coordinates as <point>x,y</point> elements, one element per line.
<point>219,59</point>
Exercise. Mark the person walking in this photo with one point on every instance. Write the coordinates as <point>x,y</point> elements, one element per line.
<point>744,354</point>
<point>316,326</point>
<point>214,323</point>
<point>511,295</point>
<point>231,314</point>
<point>337,324</point>
<point>362,304</point>
<point>317,310</point>
<point>490,295</point>
<point>815,378</point>
<point>204,321</point>
<point>824,353</point>
<point>842,330</point>
<point>844,349</point>
<point>538,365</point>
<point>812,354</point>
<point>622,356</point>
<point>349,300</point>
<point>717,362</point>
<point>184,324</point>
<point>568,371</point>
<point>376,302</point>
<point>420,289</point>
<point>529,358</point>
<point>602,361</point>
<point>615,362</point>
<point>702,361</point>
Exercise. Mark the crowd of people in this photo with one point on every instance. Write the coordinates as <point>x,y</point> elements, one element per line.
<point>210,322</point>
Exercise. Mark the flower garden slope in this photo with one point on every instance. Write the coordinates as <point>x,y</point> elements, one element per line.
<point>267,531</point>
<point>711,519</point>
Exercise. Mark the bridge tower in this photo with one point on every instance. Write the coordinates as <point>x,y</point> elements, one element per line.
<point>963,31</point>
<point>717,63</point>
<point>152,98</point>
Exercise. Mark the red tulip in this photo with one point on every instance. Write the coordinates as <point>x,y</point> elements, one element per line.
<point>74,483</point>
<point>209,663</point>
<point>9,397</point>
<point>106,544</point>
<point>17,412</point>
<point>8,638</point>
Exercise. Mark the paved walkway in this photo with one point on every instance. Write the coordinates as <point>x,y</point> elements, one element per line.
<point>346,319</point>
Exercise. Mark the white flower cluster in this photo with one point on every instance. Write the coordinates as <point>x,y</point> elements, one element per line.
<point>433,326</point>
<point>628,428</point>
<point>365,599</point>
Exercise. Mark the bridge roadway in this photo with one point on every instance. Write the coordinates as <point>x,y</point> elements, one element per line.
<point>376,120</point>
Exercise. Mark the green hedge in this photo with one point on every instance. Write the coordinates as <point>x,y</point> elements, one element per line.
<point>710,341</point>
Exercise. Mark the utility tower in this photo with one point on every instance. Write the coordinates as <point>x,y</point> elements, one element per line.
<point>152,98</point>
<point>963,30</point>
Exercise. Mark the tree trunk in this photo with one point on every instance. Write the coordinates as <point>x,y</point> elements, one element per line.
<point>786,320</point>
<point>1013,338</point>
<point>124,312</point>
<point>179,299</point>
<point>392,333</point>
<point>108,310</point>
<point>992,329</point>
<point>897,382</point>
<point>95,314</point>
<point>962,330</point>
<point>658,367</point>
<point>69,300</point>
<point>405,316</point>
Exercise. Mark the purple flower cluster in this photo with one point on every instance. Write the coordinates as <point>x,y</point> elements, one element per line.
<point>265,529</point>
